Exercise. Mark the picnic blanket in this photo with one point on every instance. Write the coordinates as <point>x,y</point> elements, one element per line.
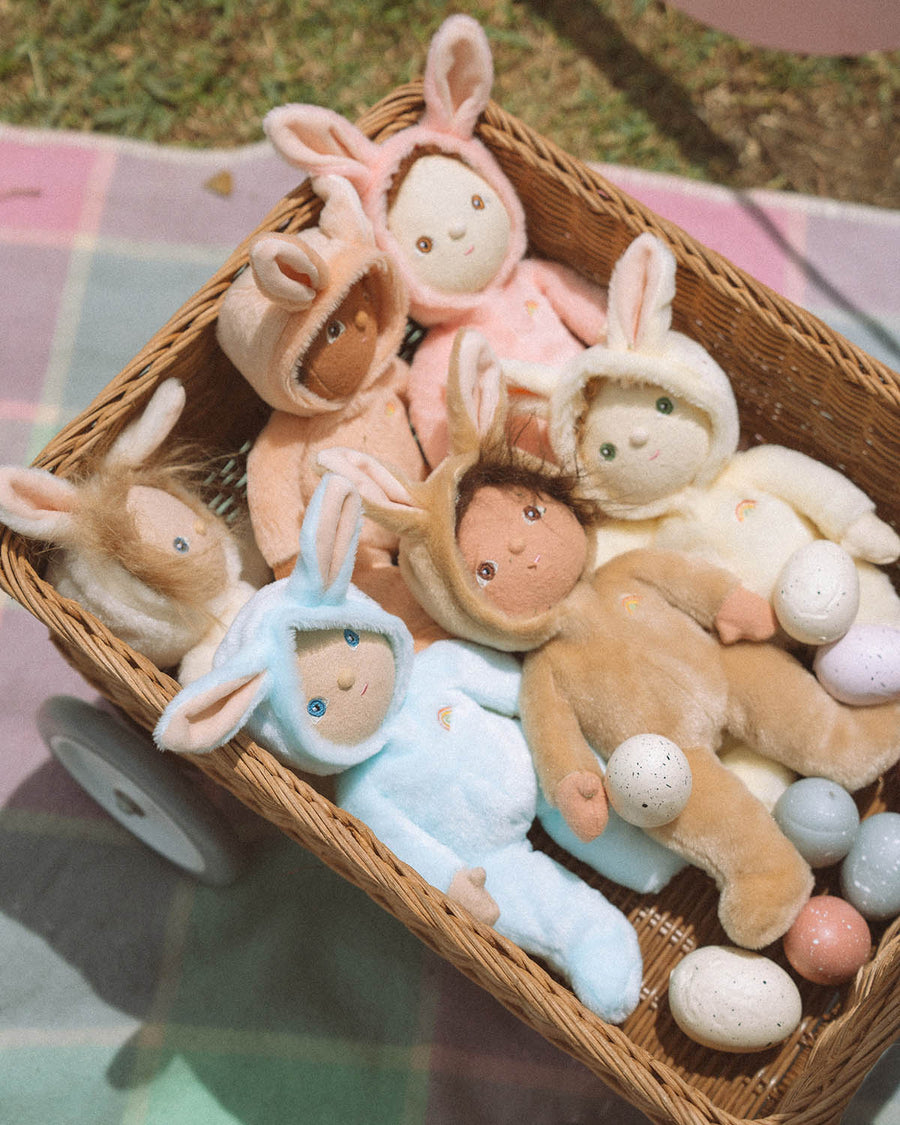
<point>130,994</point>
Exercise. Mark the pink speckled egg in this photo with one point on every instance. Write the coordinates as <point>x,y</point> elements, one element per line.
<point>829,941</point>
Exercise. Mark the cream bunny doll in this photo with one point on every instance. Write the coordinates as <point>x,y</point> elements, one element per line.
<point>650,421</point>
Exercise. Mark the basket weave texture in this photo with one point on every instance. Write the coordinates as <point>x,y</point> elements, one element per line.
<point>799,384</point>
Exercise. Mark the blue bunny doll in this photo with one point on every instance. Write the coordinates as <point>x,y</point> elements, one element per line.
<point>426,750</point>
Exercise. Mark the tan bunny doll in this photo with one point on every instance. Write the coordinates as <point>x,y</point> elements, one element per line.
<point>623,650</point>
<point>314,324</point>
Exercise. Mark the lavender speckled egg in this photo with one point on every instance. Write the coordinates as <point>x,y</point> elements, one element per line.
<point>819,818</point>
<point>733,1000</point>
<point>816,598</point>
<point>870,875</point>
<point>648,780</point>
<point>863,667</point>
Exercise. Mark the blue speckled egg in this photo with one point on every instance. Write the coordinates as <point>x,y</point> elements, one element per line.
<point>870,875</point>
<point>819,818</point>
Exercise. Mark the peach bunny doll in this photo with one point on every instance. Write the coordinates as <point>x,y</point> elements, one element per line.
<point>313,325</point>
<point>493,545</point>
<point>651,421</point>
<point>452,223</point>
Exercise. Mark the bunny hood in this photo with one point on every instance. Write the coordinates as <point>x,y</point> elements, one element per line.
<point>294,282</point>
<point>259,650</point>
<point>457,86</point>
<point>641,347</point>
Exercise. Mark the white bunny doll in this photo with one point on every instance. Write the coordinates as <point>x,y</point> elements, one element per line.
<point>426,750</point>
<point>136,545</point>
<point>650,421</point>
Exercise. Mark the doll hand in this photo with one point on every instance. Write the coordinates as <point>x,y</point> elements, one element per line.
<point>745,616</point>
<point>467,888</point>
<point>581,799</point>
<point>871,539</point>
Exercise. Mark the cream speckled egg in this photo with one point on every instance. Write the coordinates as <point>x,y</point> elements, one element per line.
<point>816,597</point>
<point>765,779</point>
<point>648,780</point>
<point>733,1000</point>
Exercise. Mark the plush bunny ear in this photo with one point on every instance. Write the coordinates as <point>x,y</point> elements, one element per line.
<point>209,712</point>
<point>147,433</point>
<point>342,216</point>
<point>287,271</point>
<point>37,504</point>
<point>641,291</point>
<point>328,541</point>
<point>385,496</point>
<point>459,74</point>
<point>476,399</point>
<point>320,141</point>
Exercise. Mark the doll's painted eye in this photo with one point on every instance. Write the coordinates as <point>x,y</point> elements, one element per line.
<point>608,451</point>
<point>351,638</point>
<point>181,545</point>
<point>424,244</point>
<point>531,513</point>
<point>485,573</point>
<point>665,405</point>
<point>317,707</point>
<point>334,331</point>
<point>477,203</point>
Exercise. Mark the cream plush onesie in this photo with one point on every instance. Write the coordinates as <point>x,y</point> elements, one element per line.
<point>284,308</point>
<point>451,221</point>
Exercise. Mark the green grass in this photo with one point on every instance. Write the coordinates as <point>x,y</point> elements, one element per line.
<point>618,80</point>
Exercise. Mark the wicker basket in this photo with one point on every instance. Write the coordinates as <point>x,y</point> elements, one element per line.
<point>798,383</point>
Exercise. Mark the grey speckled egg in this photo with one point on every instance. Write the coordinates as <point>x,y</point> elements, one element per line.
<point>819,818</point>
<point>870,875</point>
<point>733,1000</point>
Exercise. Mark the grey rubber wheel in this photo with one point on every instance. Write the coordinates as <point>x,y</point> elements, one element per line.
<point>142,788</point>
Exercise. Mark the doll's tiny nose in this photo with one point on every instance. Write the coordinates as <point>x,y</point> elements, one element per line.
<point>345,679</point>
<point>457,231</point>
<point>639,437</point>
<point>361,320</point>
<point>516,546</point>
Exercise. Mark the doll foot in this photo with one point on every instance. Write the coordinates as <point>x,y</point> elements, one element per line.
<point>467,888</point>
<point>863,667</point>
<point>605,970</point>
<point>581,799</point>
<point>759,908</point>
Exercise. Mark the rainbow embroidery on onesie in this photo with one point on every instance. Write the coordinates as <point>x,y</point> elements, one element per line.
<point>630,603</point>
<point>744,509</point>
<point>443,717</point>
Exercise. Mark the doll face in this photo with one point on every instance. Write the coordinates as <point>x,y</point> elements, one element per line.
<point>451,225</point>
<point>524,550</point>
<point>640,443</point>
<point>173,527</point>
<point>348,682</point>
<point>340,356</point>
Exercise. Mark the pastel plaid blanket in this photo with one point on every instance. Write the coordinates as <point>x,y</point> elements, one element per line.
<point>129,993</point>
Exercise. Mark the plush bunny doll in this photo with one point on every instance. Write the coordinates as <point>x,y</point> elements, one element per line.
<point>451,221</point>
<point>314,324</point>
<point>425,749</point>
<point>494,546</point>
<point>137,547</point>
<point>651,421</point>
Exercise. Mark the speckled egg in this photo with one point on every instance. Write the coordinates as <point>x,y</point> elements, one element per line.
<point>648,780</point>
<point>870,875</point>
<point>863,667</point>
<point>765,779</point>
<point>819,818</point>
<point>816,597</point>
<point>733,1000</point>
<point>829,941</point>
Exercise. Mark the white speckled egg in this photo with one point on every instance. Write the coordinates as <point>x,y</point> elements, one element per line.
<point>870,875</point>
<point>863,667</point>
<point>648,780</point>
<point>816,597</point>
<point>765,779</point>
<point>733,1000</point>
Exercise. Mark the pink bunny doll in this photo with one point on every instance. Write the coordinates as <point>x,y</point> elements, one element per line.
<point>135,544</point>
<point>651,422</point>
<point>313,325</point>
<point>452,223</point>
<point>494,546</point>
